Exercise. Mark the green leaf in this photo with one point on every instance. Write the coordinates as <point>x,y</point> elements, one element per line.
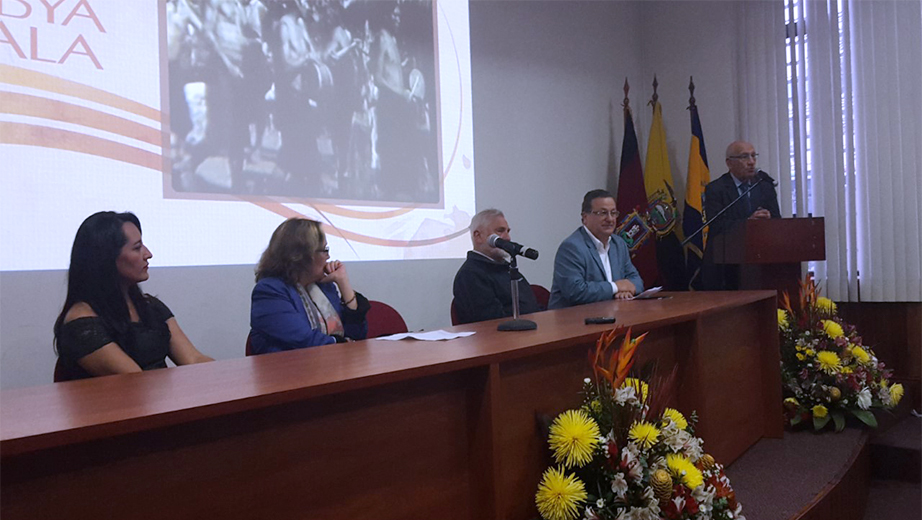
<point>866,417</point>
<point>820,422</point>
<point>839,419</point>
<point>795,420</point>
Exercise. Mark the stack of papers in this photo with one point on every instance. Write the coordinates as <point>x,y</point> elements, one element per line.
<point>432,335</point>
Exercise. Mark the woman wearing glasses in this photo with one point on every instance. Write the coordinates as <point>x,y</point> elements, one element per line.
<point>301,299</point>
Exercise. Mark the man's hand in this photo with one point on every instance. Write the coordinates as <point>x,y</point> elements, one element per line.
<point>625,286</point>
<point>624,295</point>
<point>761,213</point>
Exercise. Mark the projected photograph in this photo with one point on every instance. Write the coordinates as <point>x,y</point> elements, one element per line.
<point>304,99</point>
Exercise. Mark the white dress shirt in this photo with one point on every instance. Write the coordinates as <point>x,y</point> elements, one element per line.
<point>603,256</point>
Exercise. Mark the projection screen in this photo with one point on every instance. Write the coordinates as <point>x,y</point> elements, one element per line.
<point>214,120</point>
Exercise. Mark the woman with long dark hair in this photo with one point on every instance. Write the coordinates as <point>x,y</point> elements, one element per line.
<point>301,299</point>
<point>107,325</point>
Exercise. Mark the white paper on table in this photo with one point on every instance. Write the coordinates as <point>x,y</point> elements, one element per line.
<point>648,293</point>
<point>432,335</point>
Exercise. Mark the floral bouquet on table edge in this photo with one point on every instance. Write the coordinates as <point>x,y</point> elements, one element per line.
<point>623,455</point>
<point>826,371</point>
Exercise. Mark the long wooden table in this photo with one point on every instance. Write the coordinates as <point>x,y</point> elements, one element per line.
<point>372,429</point>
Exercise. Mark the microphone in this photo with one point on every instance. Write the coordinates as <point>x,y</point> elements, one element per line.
<point>762,175</point>
<point>512,248</point>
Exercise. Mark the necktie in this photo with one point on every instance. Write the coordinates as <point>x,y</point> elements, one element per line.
<point>746,202</point>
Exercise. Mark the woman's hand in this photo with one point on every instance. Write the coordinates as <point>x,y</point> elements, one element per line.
<point>335,271</point>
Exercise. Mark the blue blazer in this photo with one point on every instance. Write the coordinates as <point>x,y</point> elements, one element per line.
<point>278,320</point>
<point>578,273</point>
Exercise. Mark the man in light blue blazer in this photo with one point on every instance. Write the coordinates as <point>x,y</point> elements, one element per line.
<point>593,264</point>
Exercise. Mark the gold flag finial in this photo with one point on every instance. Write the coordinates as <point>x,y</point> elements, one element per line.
<point>655,98</point>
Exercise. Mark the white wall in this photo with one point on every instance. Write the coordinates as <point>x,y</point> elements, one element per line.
<point>543,75</point>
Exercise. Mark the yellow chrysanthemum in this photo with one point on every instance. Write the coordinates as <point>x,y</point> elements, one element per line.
<point>559,495</point>
<point>676,416</point>
<point>574,436</point>
<point>825,305</point>
<point>684,471</point>
<point>896,393</point>
<point>810,352</point>
<point>829,361</point>
<point>861,355</point>
<point>640,387</point>
<point>791,403</point>
<point>832,329</point>
<point>644,434</point>
<point>820,411</point>
<point>800,357</point>
<point>846,370</point>
<point>782,319</point>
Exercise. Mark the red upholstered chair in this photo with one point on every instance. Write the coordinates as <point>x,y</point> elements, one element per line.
<point>384,320</point>
<point>249,347</point>
<point>542,295</point>
<point>454,313</point>
<point>58,372</point>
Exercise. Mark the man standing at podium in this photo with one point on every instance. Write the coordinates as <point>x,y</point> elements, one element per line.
<point>594,264</point>
<point>483,286</point>
<point>760,202</point>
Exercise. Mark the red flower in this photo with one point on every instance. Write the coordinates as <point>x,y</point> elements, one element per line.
<point>613,459</point>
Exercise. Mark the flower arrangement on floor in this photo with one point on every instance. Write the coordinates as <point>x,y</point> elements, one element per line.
<point>623,455</point>
<point>826,371</point>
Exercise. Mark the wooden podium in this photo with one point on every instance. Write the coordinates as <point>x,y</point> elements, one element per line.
<point>769,251</point>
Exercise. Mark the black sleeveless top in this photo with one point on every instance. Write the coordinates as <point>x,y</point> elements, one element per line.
<point>148,346</point>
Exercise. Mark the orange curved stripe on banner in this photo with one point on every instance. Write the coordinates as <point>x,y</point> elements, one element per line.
<point>365,215</point>
<point>41,81</point>
<point>34,135</point>
<point>287,212</point>
<point>34,106</point>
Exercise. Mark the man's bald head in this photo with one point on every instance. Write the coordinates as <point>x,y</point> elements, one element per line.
<point>741,160</point>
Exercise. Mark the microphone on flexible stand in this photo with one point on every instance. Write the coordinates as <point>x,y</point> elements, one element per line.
<point>516,323</point>
<point>512,248</point>
<point>761,177</point>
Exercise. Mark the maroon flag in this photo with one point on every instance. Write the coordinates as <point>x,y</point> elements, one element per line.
<point>633,225</point>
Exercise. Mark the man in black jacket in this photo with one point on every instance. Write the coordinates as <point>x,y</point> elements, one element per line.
<point>761,202</point>
<point>482,287</point>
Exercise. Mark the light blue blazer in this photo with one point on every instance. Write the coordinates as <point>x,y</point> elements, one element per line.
<point>578,274</point>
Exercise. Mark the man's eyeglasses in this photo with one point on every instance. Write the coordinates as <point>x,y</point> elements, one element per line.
<point>745,156</point>
<point>602,213</point>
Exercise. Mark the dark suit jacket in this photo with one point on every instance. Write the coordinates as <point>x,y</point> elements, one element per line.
<point>718,195</point>
<point>721,192</point>
<point>578,273</point>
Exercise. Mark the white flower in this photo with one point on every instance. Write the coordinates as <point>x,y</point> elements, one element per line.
<point>693,449</point>
<point>679,503</point>
<point>738,512</point>
<point>619,485</point>
<point>864,398</point>
<point>650,500</point>
<point>600,503</point>
<point>704,495</point>
<point>587,380</point>
<point>629,459</point>
<point>589,514</point>
<point>884,395</point>
<point>658,463</point>
<point>625,394</point>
